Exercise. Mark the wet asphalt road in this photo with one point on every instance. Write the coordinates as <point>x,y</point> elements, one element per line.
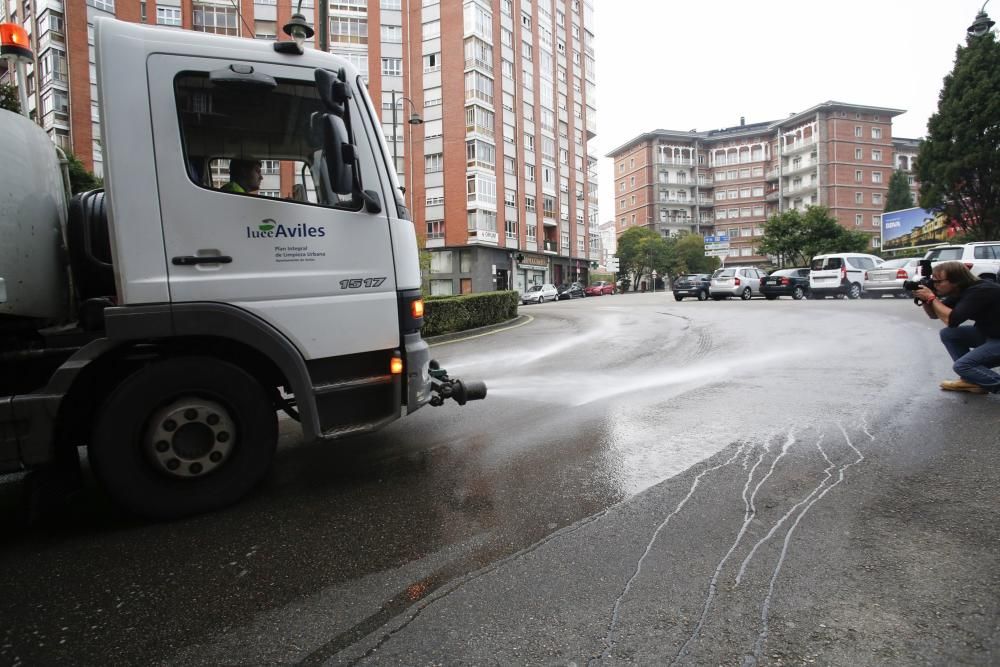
<point>648,482</point>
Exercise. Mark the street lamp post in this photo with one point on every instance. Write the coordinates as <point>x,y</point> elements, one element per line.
<point>414,119</point>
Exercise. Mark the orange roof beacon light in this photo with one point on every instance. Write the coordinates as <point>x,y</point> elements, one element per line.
<point>14,43</point>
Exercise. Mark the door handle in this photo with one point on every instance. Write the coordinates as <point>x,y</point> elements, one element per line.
<point>191,260</point>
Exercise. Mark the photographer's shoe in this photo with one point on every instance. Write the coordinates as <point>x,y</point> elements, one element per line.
<point>962,385</point>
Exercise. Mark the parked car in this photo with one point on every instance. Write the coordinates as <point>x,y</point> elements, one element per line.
<point>741,281</point>
<point>571,291</point>
<point>597,289</point>
<point>888,277</point>
<point>692,284</point>
<point>982,258</point>
<point>606,286</point>
<point>841,273</point>
<point>786,282</point>
<point>539,294</point>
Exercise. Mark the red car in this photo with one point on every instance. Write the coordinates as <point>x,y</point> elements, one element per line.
<point>601,287</point>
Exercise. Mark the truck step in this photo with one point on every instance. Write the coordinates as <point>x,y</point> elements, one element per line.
<point>351,384</point>
<point>356,429</point>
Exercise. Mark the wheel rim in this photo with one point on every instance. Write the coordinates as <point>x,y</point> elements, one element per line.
<point>855,292</point>
<point>190,437</point>
<point>797,293</point>
<point>702,296</point>
<point>746,294</point>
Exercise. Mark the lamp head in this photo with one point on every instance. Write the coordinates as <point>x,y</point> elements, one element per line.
<point>982,25</point>
<point>415,119</point>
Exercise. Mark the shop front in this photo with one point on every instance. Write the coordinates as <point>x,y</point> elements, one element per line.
<point>531,270</point>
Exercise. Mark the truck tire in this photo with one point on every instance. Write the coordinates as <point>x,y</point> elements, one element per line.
<point>184,436</point>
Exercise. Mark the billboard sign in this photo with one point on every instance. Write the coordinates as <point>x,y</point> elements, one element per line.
<point>908,227</point>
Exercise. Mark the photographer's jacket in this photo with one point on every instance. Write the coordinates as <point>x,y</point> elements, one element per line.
<point>980,303</point>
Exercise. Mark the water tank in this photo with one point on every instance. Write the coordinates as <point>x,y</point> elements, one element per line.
<point>32,213</point>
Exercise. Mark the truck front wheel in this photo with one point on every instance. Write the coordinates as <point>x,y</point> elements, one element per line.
<point>184,436</point>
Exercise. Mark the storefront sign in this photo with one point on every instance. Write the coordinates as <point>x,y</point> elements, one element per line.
<point>532,260</point>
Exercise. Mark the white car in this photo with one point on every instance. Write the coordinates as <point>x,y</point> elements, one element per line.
<point>982,258</point>
<point>840,273</point>
<point>741,281</point>
<point>889,276</point>
<point>540,293</point>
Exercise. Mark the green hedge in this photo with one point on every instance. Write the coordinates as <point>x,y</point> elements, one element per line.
<point>447,314</point>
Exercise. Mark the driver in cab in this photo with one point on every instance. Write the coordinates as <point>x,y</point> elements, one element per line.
<point>244,177</point>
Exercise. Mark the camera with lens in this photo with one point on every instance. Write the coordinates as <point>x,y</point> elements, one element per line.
<point>925,277</point>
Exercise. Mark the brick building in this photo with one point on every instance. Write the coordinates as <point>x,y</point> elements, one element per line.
<point>498,176</point>
<point>730,181</point>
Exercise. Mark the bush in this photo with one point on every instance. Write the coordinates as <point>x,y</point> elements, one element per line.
<point>447,314</point>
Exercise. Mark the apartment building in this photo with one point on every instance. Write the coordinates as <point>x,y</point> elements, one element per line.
<point>730,181</point>
<point>512,85</point>
<point>487,107</point>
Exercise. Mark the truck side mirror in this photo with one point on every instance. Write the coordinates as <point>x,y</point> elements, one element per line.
<point>338,155</point>
<point>333,90</point>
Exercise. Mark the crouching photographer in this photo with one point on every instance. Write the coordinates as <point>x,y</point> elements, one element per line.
<point>959,297</point>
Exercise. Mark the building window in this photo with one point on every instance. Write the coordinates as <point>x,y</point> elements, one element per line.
<point>876,177</point>
<point>859,198</point>
<point>432,63</point>
<point>433,162</point>
<point>394,5</point>
<point>876,133</point>
<point>435,229</point>
<point>431,30</point>
<point>392,67</point>
<point>876,155</point>
<point>857,130</point>
<point>510,228</point>
<point>876,220</point>
<point>348,30</point>
<point>216,19</point>
<point>857,154</point>
<point>858,219</point>
<point>392,33</point>
<point>858,176</point>
<point>105,5</point>
<point>876,199</point>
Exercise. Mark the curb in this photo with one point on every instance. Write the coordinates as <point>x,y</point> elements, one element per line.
<point>459,336</point>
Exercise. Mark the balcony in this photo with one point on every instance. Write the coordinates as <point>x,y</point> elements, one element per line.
<point>796,190</point>
<point>550,247</point>
<point>772,195</point>
<point>798,146</point>
<point>674,162</point>
<point>799,167</point>
<point>706,180</point>
<point>675,200</point>
<point>673,182</point>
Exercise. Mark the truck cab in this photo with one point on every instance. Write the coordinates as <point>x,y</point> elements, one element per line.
<point>196,308</point>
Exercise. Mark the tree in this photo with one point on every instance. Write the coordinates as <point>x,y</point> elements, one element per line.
<point>795,237</point>
<point>81,180</point>
<point>899,196</point>
<point>8,98</point>
<point>641,251</point>
<point>688,256</point>
<point>959,161</point>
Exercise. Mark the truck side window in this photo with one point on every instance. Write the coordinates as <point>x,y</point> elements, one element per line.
<point>220,123</point>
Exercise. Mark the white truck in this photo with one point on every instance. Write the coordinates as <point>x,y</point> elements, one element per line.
<point>163,322</point>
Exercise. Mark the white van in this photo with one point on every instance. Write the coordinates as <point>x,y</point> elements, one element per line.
<point>840,273</point>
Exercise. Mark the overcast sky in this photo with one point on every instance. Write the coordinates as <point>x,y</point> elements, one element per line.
<point>683,64</point>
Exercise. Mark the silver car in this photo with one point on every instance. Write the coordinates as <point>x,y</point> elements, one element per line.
<point>888,277</point>
<point>741,281</point>
<point>540,293</point>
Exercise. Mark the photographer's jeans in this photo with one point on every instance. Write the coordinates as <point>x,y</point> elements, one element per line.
<point>974,355</point>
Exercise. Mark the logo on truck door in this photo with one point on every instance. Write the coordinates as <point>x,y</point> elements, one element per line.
<point>269,229</point>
